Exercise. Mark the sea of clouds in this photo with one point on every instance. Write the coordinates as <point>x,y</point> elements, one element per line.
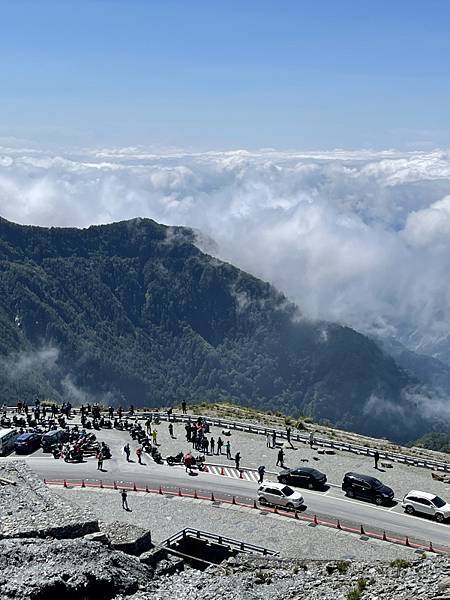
<point>360,237</point>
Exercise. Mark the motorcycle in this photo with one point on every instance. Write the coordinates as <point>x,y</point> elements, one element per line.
<point>74,455</point>
<point>178,459</point>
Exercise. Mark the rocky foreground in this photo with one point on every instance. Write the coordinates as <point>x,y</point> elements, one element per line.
<point>272,579</point>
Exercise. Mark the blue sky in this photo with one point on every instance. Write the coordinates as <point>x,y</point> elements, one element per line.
<point>217,75</point>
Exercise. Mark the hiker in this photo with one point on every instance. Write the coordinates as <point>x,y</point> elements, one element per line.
<point>237,459</point>
<point>311,439</point>
<point>228,447</point>
<point>376,457</point>
<point>212,444</point>
<point>127,451</point>
<point>280,458</point>
<point>171,430</point>
<point>274,439</point>
<point>261,471</point>
<point>124,500</point>
<point>183,407</point>
<point>99,460</point>
<point>139,454</point>
<point>268,438</point>
<point>219,445</point>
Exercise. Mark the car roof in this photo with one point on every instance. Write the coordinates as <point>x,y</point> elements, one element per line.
<point>25,436</point>
<point>307,470</point>
<point>274,484</point>
<point>426,495</point>
<point>361,476</point>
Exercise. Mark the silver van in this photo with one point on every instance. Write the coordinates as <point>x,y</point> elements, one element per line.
<point>7,441</point>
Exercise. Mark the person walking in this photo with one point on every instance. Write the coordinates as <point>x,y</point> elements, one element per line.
<point>99,460</point>
<point>228,448</point>
<point>183,407</point>
<point>127,451</point>
<point>139,454</point>
<point>124,500</point>
<point>237,460</point>
<point>376,457</point>
<point>171,430</point>
<point>212,444</point>
<point>268,440</point>
<point>280,459</point>
<point>261,471</point>
<point>219,446</point>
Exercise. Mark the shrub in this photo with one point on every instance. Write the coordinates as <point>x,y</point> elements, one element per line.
<point>342,566</point>
<point>400,563</point>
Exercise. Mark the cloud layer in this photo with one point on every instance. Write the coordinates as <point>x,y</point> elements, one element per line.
<point>357,237</point>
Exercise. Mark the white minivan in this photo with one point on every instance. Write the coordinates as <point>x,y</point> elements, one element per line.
<point>279,494</point>
<point>7,440</point>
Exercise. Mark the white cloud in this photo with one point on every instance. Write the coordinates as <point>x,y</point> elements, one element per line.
<point>357,237</point>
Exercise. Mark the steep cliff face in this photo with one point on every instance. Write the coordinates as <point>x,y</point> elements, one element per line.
<point>134,312</point>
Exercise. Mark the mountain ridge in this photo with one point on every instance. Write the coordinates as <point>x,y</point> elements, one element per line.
<point>136,313</point>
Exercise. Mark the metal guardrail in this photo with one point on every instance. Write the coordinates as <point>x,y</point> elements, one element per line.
<point>302,438</point>
<point>221,540</point>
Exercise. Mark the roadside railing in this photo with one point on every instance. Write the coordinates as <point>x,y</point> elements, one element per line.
<point>221,540</point>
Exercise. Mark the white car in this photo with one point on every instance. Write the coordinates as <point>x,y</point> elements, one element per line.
<point>428,504</point>
<point>279,494</point>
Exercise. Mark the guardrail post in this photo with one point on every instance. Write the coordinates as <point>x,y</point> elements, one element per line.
<point>431,549</point>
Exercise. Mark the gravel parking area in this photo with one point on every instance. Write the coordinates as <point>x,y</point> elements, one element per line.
<point>254,452</point>
<point>166,516</point>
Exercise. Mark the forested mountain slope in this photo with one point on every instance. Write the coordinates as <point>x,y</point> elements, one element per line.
<point>134,312</point>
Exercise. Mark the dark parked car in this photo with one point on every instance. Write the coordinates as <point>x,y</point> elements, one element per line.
<point>367,488</point>
<point>27,442</point>
<point>51,438</point>
<point>304,477</point>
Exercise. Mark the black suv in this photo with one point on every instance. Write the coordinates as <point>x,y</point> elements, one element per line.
<point>304,477</point>
<point>367,488</point>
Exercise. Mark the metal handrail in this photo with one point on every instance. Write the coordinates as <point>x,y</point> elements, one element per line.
<point>218,539</point>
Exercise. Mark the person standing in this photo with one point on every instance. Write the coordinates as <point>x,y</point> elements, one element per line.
<point>237,460</point>
<point>154,437</point>
<point>139,454</point>
<point>124,500</point>
<point>261,471</point>
<point>148,427</point>
<point>268,440</point>
<point>219,445</point>
<point>280,459</point>
<point>274,438</point>
<point>376,457</point>
<point>99,460</point>
<point>183,407</point>
<point>212,444</point>
<point>171,430</point>
<point>228,448</point>
<point>169,413</point>
<point>127,451</point>
<point>288,436</point>
<point>311,439</point>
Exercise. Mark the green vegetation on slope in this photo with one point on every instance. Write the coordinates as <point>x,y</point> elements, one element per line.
<point>134,313</point>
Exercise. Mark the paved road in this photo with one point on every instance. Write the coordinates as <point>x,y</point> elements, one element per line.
<point>331,504</point>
